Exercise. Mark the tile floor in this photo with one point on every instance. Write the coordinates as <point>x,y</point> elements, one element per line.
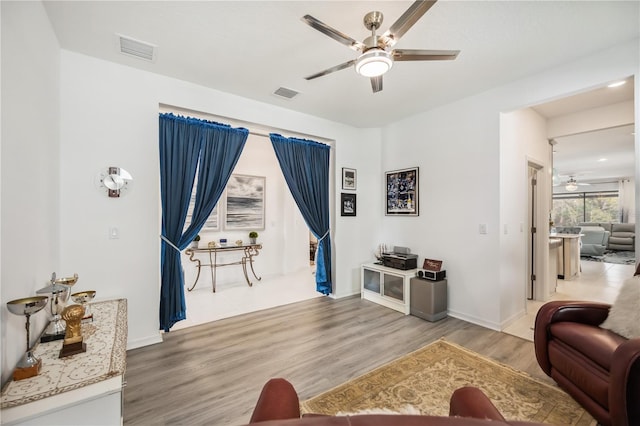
<point>598,282</point>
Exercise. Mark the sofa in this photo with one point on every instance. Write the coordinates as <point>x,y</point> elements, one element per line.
<point>599,368</point>
<point>621,235</point>
<point>278,405</point>
<point>594,241</point>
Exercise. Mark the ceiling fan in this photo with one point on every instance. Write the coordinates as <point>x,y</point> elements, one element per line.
<point>375,57</point>
<point>571,184</point>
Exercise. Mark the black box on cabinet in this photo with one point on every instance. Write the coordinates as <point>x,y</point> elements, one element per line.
<point>400,260</point>
<point>425,274</point>
<point>428,299</point>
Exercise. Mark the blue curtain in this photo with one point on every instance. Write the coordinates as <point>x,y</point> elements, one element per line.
<point>305,165</point>
<point>187,145</point>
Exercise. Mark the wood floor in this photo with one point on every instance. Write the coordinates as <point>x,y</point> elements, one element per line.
<point>212,374</point>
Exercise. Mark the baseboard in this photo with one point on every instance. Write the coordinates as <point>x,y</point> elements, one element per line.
<point>146,341</point>
<point>474,320</point>
<point>515,317</point>
<point>342,296</point>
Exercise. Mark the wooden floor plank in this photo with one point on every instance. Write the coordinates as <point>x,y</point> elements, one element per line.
<point>212,374</point>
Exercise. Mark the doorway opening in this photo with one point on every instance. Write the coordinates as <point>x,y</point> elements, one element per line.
<point>283,262</point>
<point>533,235</point>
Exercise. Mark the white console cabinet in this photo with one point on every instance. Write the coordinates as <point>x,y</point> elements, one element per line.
<point>386,286</point>
<point>82,389</point>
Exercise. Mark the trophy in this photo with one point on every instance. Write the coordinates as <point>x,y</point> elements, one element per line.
<point>59,290</point>
<point>83,298</point>
<point>73,341</point>
<point>29,365</point>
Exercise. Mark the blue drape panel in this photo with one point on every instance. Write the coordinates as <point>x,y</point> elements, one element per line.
<point>185,144</point>
<point>305,165</point>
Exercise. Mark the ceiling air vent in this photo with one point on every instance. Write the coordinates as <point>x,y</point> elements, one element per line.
<point>136,48</point>
<point>283,92</point>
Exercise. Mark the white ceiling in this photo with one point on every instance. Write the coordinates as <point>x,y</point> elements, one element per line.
<point>251,48</point>
<point>603,155</point>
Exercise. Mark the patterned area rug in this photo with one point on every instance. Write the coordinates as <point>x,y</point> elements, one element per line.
<point>610,256</point>
<point>426,378</point>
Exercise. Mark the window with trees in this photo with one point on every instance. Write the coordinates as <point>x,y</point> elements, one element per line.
<point>575,207</point>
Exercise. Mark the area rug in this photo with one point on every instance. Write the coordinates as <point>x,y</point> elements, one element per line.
<point>426,378</point>
<point>619,257</point>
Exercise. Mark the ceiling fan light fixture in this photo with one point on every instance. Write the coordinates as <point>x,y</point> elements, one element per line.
<point>572,185</point>
<point>374,62</point>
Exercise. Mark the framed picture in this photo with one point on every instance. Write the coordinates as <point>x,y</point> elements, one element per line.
<point>348,178</point>
<point>212,223</point>
<point>245,202</point>
<point>348,204</point>
<point>402,192</point>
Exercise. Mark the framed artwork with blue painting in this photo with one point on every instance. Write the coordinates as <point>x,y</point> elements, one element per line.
<point>402,192</point>
<point>245,202</point>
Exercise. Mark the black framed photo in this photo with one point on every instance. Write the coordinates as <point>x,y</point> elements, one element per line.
<point>348,178</point>
<point>348,204</point>
<point>402,192</point>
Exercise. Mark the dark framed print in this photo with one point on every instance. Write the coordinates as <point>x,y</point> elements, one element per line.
<point>348,178</point>
<point>402,192</point>
<point>348,204</point>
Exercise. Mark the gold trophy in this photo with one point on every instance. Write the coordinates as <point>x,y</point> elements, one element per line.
<point>29,365</point>
<point>73,343</point>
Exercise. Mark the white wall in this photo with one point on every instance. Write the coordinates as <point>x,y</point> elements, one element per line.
<point>30,167</point>
<point>110,117</point>
<point>619,114</point>
<point>456,148</point>
<point>523,135</point>
<point>365,231</point>
<point>467,178</point>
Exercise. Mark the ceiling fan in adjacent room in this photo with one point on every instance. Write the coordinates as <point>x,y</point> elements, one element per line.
<point>570,184</point>
<point>375,57</point>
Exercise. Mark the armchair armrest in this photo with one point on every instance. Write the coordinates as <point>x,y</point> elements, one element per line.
<point>624,387</point>
<point>472,402</point>
<point>278,400</point>
<point>590,313</point>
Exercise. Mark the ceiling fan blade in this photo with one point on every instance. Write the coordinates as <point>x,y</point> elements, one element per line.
<point>406,21</point>
<point>332,69</point>
<point>424,55</point>
<point>376,84</point>
<point>333,33</point>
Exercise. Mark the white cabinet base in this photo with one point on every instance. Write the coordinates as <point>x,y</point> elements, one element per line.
<point>386,286</point>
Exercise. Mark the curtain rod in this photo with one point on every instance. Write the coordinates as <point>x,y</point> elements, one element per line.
<point>165,108</point>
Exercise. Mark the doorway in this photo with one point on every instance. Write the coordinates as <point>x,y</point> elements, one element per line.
<point>283,261</point>
<point>533,235</point>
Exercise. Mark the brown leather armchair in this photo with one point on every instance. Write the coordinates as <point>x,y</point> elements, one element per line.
<point>598,368</point>
<point>278,405</point>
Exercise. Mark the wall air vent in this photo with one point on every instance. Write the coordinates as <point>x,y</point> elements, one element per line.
<point>283,92</point>
<point>137,48</point>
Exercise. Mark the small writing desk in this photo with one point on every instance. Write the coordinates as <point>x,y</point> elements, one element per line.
<point>248,253</point>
